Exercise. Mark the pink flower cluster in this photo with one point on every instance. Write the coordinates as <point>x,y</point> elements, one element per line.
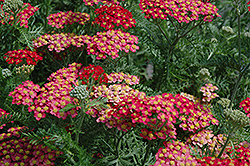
<point>245,104</point>
<point>18,56</point>
<point>194,115</point>
<point>182,10</point>
<point>25,93</point>
<point>60,19</point>
<point>110,43</point>
<point>123,78</point>
<point>174,153</point>
<point>60,42</point>
<point>95,2</point>
<point>207,138</point>
<point>55,95</point>
<point>109,16</point>
<point>18,151</point>
<point>22,17</point>
<point>207,92</point>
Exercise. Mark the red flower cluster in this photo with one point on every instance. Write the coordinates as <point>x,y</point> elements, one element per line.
<point>19,151</point>
<point>181,10</point>
<point>60,42</point>
<point>21,17</point>
<point>109,16</point>
<point>88,73</point>
<point>245,104</point>
<point>95,2</point>
<point>60,19</point>
<point>17,57</point>
<point>25,93</point>
<point>111,42</point>
<point>248,6</point>
<point>55,95</point>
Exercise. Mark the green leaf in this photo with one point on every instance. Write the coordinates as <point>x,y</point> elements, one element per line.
<point>68,107</point>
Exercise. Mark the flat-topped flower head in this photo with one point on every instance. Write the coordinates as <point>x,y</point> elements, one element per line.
<point>59,20</point>
<point>110,16</point>
<point>111,42</point>
<point>22,57</point>
<point>60,41</point>
<point>96,2</point>
<point>25,93</point>
<point>181,10</point>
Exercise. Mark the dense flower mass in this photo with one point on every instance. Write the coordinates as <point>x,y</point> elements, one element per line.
<point>93,74</point>
<point>181,10</point>
<point>109,16</point>
<point>18,57</point>
<point>109,43</point>
<point>60,42</point>
<point>60,19</point>
<point>245,104</point>
<point>22,17</point>
<point>157,114</point>
<point>55,95</point>
<point>25,93</point>
<point>194,115</point>
<point>96,2</point>
<point>15,150</point>
<point>174,153</point>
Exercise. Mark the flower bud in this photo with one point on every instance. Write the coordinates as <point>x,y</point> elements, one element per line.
<point>236,117</point>
<point>79,92</point>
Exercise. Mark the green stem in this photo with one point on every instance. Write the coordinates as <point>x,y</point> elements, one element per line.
<point>242,73</point>
<point>239,39</point>
<point>224,146</point>
<point>80,126</point>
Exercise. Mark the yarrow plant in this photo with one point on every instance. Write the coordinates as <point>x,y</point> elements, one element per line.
<point>109,16</point>
<point>25,93</point>
<point>55,95</point>
<point>95,2</point>
<point>181,10</point>
<point>207,92</point>
<point>59,42</point>
<point>59,20</point>
<point>22,57</point>
<point>110,43</point>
